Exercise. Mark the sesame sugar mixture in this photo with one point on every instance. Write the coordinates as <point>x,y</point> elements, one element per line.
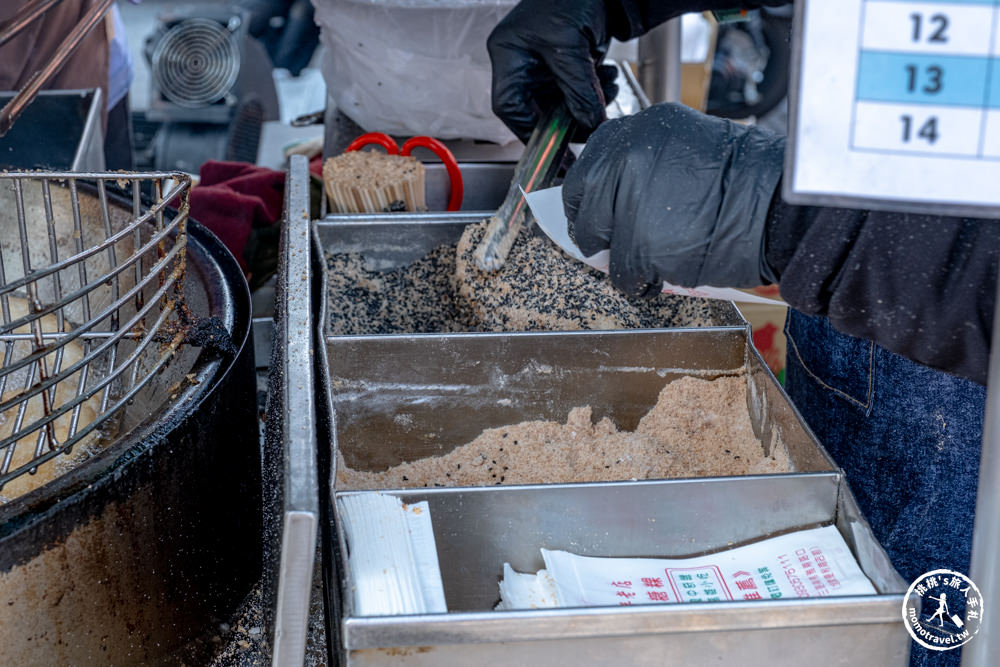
<point>540,288</point>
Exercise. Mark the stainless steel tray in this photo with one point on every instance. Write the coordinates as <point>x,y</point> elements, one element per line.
<point>451,386</point>
<point>394,240</point>
<point>482,527</point>
<point>477,530</point>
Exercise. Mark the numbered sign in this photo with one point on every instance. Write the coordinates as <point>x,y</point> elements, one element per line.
<point>895,104</point>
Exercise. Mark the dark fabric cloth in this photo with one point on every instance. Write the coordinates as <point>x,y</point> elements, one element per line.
<point>233,199</point>
<point>33,47</point>
<point>908,438</point>
<point>922,286</point>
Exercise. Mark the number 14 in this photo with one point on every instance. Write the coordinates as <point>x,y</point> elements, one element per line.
<point>928,131</point>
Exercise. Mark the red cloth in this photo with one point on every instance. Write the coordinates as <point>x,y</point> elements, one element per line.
<point>232,198</point>
<point>316,166</point>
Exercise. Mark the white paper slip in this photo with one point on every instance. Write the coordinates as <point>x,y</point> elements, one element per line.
<point>547,207</point>
<point>392,557</point>
<point>803,564</point>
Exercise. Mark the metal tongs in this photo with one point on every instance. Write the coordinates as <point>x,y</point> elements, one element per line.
<point>30,12</point>
<point>537,167</point>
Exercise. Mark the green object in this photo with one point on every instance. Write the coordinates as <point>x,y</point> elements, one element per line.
<point>732,15</point>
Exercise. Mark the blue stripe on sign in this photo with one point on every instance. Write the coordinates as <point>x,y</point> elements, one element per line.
<point>922,79</point>
<point>994,102</point>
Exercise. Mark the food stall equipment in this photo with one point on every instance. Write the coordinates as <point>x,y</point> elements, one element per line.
<point>374,377</point>
<point>138,551</point>
<point>24,17</point>
<point>290,458</point>
<point>659,53</point>
<point>69,121</point>
<point>986,538</point>
<point>210,86</point>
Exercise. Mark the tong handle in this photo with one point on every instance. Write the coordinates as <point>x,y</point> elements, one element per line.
<point>538,164</point>
<point>537,167</point>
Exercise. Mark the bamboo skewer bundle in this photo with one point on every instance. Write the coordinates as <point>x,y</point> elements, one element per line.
<point>374,182</point>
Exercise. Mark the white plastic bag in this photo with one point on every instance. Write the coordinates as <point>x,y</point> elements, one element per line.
<point>804,564</point>
<point>413,67</point>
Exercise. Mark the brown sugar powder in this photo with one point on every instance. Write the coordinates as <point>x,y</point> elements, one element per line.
<point>698,428</point>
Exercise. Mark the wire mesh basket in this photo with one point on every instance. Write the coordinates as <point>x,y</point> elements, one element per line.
<point>91,303</point>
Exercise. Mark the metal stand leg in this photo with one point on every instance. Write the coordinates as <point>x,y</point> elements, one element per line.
<point>660,62</point>
<point>984,649</point>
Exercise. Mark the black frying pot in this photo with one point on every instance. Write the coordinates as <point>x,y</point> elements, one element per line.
<point>143,549</point>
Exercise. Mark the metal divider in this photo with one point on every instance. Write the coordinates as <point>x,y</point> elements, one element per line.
<point>290,443</point>
<point>985,570</point>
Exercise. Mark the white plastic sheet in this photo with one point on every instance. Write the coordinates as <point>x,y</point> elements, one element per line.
<point>803,564</point>
<point>413,67</point>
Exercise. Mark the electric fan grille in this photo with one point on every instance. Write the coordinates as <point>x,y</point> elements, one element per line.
<point>196,62</point>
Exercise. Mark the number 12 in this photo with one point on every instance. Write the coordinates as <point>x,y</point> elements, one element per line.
<point>939,20</point>
<point>928,131</point>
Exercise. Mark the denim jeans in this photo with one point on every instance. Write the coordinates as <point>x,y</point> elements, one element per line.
<point>908,438</point>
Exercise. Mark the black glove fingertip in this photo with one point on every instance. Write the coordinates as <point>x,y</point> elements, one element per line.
<point>571,207</point>
<point>608,75</point>
<point>648,291</point>
<point>637,289</point>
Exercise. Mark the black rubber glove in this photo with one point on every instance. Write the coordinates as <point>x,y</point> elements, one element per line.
<point>677,196</point>
<point>547,50</point>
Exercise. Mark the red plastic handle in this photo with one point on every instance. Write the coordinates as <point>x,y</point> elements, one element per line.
<point>450,163</point>
<point>379,138</point>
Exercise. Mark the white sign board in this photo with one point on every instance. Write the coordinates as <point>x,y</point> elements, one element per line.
<point>895,104</point>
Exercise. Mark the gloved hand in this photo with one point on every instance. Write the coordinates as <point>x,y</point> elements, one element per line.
<point>677,196</point>
<point>546,50</point>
